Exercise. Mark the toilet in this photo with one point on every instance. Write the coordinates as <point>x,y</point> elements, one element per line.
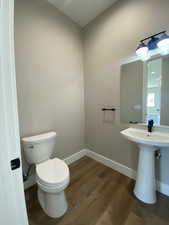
<point>52,175</point>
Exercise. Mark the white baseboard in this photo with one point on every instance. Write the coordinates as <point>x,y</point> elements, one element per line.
<point>76,156</point>
<point>161,187</point>
<point>112,164</point>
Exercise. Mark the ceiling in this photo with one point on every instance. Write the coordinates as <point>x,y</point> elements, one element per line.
<point>82,11</point>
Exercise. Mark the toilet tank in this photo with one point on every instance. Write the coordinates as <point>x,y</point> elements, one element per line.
<point>39,148</point>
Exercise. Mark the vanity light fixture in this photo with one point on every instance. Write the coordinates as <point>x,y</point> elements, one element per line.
<point>142,51</point>
<point>152,44</point>
<point>162,43</point>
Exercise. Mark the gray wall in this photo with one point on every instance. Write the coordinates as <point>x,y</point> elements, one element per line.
<point>49,72</point>
<point>109,40</point>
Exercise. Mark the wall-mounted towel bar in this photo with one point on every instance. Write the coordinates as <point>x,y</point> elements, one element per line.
<point>108,109</point>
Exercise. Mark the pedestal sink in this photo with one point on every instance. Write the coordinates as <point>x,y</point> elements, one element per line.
<point>145,187</point>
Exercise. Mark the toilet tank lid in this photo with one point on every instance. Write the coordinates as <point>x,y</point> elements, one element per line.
<point>39,138</point>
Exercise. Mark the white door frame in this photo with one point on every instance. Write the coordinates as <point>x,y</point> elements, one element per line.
<point>12,201</point>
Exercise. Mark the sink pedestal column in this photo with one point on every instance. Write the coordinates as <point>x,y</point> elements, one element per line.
<point>145,187</point>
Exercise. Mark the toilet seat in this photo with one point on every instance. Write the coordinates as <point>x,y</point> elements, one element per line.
<point>52,175</point>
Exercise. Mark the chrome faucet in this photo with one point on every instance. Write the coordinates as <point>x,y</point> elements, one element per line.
<point>150,125</point>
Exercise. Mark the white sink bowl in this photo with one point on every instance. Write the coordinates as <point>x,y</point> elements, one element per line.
<point>145,187</point>
<point>140,136</point>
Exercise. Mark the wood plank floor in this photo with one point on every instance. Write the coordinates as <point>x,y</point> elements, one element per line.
<point>98,195</point>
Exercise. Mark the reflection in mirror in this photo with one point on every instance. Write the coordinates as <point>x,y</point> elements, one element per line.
<point>144,90</point>
<point>153,91</point>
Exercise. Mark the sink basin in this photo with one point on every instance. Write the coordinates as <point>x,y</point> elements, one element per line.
<point>145,187</point>
<point>140,136</point>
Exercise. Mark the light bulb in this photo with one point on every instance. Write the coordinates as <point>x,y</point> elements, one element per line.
<point>163,44</point>
<point>142,52</point>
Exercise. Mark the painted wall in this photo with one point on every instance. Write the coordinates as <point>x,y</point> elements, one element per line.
<point>108,41</point>
<point>49,72</point>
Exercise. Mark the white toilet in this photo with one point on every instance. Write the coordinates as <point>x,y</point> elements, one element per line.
<point>52,175</point>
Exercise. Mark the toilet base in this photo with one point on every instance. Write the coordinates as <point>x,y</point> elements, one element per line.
<point>53,204</point>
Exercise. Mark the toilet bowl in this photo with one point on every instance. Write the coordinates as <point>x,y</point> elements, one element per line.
<point>52,175</point>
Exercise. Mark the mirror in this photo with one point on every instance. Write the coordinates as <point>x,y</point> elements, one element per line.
<point>144,91</point>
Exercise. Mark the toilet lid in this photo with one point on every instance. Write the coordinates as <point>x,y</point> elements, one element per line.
<point>52,171</point>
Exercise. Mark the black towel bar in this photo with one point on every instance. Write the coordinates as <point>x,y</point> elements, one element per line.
<point>111,109</point>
